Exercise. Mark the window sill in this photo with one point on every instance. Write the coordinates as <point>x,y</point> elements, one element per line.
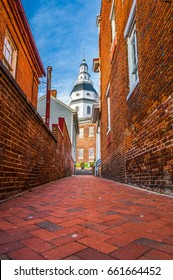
<point>132,89</point>
<point>9,67</point>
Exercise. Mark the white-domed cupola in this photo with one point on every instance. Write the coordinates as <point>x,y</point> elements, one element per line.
<point>83,95</point>
<point>83,71</point>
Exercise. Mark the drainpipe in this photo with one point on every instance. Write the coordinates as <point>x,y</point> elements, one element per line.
<point>49,72</point>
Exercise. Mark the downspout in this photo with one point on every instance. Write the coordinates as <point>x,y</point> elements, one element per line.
<point>49,72</point>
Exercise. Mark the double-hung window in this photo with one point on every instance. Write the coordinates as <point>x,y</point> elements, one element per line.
<point>108,110</point>
<point>80,153</point>
<point>81,132</point>
<point>113,23</point>
<point>134,54</point>
<point>131,37</point>
<point>91,153</point>
<point>91,131</point>
<point>9,53</point>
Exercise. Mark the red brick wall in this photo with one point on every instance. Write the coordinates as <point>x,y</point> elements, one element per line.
<point>112,144</point>
<point>60,132</point>
<point>30,155</point>
<point>27,69</point>
<point>140,148</point>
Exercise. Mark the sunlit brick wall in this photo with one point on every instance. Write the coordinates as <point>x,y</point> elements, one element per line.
<point>28,70</point>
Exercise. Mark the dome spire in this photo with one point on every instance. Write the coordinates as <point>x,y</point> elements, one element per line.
<point>83,54</point>
<point>83,71</point>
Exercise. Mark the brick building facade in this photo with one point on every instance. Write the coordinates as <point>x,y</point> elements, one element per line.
<point>18,50</point>
<point>30,155</point>
<point>86,142</point>
<point>136,59</point>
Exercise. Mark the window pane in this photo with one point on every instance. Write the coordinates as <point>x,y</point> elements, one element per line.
<point>81,133</point>
<point>133,57</point>
<point>80,154</point>
<point>113,24</point>
<point>91,153</point>
<point>91,131</point>
<point>134,50</point>
<point>9,53</point>
<point>109,113</point>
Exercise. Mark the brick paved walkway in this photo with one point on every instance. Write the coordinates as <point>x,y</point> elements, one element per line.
<point>84,217</point>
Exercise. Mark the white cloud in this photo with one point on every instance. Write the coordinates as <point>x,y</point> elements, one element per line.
<point>62,29</point>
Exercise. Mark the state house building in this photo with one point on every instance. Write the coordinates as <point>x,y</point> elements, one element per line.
<point>83,96</point>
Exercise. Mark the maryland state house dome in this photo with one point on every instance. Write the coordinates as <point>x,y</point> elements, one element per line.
<point>83,95</point>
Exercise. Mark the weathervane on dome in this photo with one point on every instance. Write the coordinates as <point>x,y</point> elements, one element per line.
<point>83,54</point>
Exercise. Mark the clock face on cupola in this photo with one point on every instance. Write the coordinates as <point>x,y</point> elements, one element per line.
<point>83,95</point>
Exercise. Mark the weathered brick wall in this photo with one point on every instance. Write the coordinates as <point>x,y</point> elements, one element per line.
<point>28,69</point>
<point>60,132</point>
<point>104,43</point>
<point>112,64</point>
<point>68,161</point>
<point>149,160</point>
<point>30,155</point>
<point>140,148</point>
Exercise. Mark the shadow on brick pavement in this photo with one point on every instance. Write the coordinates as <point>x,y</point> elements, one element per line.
<point>87,218</point>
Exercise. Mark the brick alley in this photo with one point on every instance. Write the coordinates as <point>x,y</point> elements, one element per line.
<point>86,217</point>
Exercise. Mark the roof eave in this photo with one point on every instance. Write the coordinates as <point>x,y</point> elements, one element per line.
<point>29,33</point>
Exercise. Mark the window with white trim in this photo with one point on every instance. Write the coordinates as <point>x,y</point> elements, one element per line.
<point>81,132</point>
<point>80,153</point>
<point>91,153</point>
<point>133,57</point>
<point>113,23</point>
<point>91,131</point>
<point>130,35</point>
<point>108,110</point>
<point>9,53</point>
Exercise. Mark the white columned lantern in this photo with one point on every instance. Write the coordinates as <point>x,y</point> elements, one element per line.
<point>83,95</point>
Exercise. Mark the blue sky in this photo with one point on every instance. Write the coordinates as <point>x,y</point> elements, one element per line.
<point>62,29</point>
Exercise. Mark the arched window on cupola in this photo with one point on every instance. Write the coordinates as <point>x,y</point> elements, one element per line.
<point>88,110</point>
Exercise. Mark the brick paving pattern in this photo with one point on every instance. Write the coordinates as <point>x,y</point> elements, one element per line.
<point>85,218</point>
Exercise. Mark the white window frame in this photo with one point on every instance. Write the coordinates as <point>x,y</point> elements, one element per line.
<point>130,35</point>
<point>113,23</point>
<point>108,110</point>
<point>80,153</point>
<point>81,132</point>
<point>91,131</point>
<point>9,53</point>
<point>91,153</point>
